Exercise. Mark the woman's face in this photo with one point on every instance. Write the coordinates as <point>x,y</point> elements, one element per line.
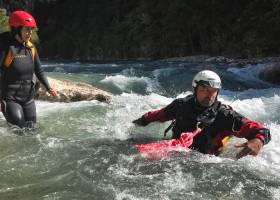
<point>26,33</point>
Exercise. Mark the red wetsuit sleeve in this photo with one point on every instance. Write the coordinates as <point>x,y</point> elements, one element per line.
<point>251,129</point>
<point>156,115</point>
<point>165,114</point>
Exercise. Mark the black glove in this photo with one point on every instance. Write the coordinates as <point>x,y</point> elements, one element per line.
<point>142,121</point>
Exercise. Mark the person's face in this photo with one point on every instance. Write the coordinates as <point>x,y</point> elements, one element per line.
<point>206,95</point>
<point>26,33</point>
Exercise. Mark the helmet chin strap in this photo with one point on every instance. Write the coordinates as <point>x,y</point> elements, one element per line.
<point>19,38</point>
<point>195,98</point>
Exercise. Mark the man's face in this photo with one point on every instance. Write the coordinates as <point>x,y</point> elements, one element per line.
<point>206,95</point>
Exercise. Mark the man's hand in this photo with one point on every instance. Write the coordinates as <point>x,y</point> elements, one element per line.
<point>252,147</point>
<point>141,121</point>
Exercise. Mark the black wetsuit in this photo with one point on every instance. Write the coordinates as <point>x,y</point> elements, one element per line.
<point>17,82</point>
<point>218,122</point>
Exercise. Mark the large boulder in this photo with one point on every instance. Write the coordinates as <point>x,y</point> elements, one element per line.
<point>69,91</point>
<point>271,74</point>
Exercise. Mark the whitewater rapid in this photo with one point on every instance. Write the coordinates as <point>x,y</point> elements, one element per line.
<point>84,150</point>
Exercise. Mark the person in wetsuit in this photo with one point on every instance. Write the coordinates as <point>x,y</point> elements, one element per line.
<point>218,121</point>
<point>20,66</point>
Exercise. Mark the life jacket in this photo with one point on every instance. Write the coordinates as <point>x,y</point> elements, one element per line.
<point>8,58</point>
<point>185,122</point>
<point>10,53</point>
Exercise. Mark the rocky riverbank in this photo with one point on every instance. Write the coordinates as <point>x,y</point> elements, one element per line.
<point>223,59</point>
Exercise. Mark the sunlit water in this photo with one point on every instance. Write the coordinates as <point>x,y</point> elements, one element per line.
<point>84,150</point>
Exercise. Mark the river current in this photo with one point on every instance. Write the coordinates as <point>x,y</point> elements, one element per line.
<point>84,150</point>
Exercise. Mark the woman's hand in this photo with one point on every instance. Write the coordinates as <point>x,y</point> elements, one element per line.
<point>52,92</point>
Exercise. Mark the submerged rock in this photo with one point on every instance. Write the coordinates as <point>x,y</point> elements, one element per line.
<point>69,91</point>
<point>271,74</point>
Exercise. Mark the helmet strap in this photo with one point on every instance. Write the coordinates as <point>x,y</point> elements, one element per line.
<point>194,92</point>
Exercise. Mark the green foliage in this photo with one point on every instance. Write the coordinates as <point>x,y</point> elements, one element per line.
<point>4,26</point>
<point>126,29</point>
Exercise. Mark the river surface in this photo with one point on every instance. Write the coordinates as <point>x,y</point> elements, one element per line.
<point>84,150</point>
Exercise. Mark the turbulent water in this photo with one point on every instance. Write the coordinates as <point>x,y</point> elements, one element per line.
<point>84,150</point>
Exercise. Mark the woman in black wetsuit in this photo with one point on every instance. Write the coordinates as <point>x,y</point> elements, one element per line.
<point>20,63</point>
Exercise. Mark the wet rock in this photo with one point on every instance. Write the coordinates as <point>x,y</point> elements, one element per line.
<point>271,74</point>
<point>69,91</point>
<point>219,59</point>
<point>191,59</point>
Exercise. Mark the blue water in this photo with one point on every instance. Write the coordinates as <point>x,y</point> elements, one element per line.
<point>83,150</point>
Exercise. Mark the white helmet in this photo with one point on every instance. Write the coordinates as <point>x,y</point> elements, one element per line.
<point>208,78</point>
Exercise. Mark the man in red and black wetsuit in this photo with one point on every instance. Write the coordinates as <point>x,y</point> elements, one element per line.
<point>217,120</point>
<point>19,63</point>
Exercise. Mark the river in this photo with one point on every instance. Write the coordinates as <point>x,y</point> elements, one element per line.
<point>84,150</point>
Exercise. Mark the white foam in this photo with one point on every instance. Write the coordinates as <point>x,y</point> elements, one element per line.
<point>45,107</point>
<point>263,109</point>
<point>127,107</point>
<point>178,182</point>
<point>124,82</point>
<point>53,64</point>
<point>158,72</point>
<point>125,195</point>
<point>275,193</point>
